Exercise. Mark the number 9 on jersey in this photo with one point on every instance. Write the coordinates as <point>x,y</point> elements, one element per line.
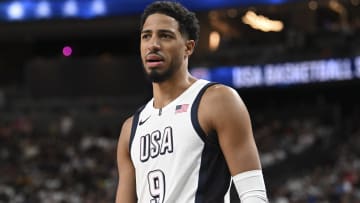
<point>156,181</point>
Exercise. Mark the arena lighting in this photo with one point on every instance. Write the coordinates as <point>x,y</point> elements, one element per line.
<point>337,7</point>
<point>43,9</point>
<point>340,9</point>
<point>313,5</point>
<point>15,11</point>
<point>214,40</point>
<point>262,23</point>
<point>357,66</point>
<point>98,7</point>
<point>70,8</point>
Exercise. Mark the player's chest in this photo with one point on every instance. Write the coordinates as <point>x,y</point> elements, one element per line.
<point>161,138</point>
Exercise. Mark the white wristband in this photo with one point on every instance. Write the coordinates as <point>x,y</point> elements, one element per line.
<point>250,186</point>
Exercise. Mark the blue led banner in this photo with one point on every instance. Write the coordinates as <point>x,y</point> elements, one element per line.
<point>281,74</point>
<point>25,10</point>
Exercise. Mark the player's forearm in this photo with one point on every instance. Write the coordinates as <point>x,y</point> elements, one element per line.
<point>124,198</point>
<point>126,192</point>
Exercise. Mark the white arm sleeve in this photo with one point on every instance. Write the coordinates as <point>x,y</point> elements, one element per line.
<point>250,186</point>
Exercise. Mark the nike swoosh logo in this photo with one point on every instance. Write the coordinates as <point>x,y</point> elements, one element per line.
<point>143,121</point>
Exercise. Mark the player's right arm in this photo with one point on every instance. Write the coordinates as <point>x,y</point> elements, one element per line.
<point>126,190</point>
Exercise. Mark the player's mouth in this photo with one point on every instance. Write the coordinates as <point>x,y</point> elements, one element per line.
<point>154,60</point>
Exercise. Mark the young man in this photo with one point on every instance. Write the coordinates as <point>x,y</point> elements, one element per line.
<point>193,139</point>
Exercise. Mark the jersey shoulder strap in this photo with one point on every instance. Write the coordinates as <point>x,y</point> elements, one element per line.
<point>134,124</point>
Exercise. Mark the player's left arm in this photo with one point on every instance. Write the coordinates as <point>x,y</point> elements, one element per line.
<point>224,111</point>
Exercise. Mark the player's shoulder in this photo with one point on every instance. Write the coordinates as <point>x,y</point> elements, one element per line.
<point>126,127</point>
<point>221,98</point>
<point>218,92</point>
<point>128,122</point>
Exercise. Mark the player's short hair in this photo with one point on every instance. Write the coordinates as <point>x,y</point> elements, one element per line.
<point>188,23</point>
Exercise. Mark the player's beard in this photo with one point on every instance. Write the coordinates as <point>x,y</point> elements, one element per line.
<point>158,77</point>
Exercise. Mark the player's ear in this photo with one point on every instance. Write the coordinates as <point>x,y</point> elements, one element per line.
<point>190,46</point>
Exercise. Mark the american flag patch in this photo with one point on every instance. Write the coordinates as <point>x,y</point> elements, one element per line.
<point>181,108</point>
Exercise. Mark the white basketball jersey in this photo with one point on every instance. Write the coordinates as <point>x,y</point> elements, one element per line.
<point>175,162</point>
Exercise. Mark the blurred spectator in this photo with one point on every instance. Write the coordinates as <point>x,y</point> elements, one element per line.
<point>66,124</point>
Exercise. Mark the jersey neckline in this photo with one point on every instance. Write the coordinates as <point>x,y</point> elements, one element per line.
<point>176,101</point>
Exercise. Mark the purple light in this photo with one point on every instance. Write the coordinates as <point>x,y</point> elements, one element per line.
<point>67,51</point>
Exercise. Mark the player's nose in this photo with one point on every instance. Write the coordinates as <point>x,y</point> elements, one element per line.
<point>154,44</point>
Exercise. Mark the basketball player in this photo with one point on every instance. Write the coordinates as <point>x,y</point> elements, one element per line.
<point>193,139</point>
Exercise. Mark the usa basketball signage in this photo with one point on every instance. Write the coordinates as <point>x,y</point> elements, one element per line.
<point>283,73</point>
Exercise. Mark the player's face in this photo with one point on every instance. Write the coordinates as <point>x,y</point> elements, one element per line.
<point>162,47</point>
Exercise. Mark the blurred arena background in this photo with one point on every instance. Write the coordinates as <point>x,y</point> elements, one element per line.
<point>70,74</point>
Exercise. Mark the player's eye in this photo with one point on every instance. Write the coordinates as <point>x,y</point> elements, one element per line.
<point>166,36</point>
<point>145,36</point>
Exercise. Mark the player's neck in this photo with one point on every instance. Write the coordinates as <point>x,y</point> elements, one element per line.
<point>165,92</point>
